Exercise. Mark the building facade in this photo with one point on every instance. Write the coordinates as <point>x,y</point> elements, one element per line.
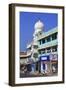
<point>42,52</point>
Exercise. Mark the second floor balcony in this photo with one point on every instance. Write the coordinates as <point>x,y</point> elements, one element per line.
<point>48,44</point>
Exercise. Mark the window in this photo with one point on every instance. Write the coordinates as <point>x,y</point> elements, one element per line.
<point>54,49</point>
<point>48,50</point>
<point>43,51</point>
<point>48,39</point>
<point>54,36</point>
<point>39,52</point>
<point>40,42</point>
<point>43,41</point>
<point>35,46</point>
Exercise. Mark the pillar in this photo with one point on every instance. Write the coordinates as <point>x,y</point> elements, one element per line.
<point>42,70</point>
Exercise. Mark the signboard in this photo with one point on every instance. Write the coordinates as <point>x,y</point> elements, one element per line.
<point>53,57</point>
<point>44,58</point>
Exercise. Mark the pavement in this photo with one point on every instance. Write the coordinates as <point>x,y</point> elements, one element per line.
<point>36,74</point>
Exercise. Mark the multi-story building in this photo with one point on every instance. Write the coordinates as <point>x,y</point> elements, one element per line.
<point>43,50</point>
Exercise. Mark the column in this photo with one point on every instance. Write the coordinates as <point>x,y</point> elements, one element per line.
<point>46,68</point>
<point>33,68</point>
<point>42,67</point>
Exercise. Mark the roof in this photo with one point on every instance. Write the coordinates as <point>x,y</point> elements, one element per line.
<point>24,55</point>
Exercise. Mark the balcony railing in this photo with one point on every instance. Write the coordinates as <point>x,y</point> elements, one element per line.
<point>48,53</point>
<point>48,44</point>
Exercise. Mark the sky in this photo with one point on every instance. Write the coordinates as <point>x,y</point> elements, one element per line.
<point>27,22</point>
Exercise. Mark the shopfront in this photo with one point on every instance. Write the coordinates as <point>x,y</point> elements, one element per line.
<point>54,63</point>
<point>35,67</point>
<point>32,66</point>
<point>44,64</point>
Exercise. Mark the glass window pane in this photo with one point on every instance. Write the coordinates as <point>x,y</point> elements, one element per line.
<point>43,41</point>
<point>48,39</point>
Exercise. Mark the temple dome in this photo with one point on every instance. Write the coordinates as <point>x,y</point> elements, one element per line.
<point>39,25</point>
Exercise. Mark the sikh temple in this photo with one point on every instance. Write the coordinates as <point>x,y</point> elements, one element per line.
<point>41,57</point>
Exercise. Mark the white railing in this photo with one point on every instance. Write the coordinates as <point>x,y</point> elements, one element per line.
<point>48,44</point>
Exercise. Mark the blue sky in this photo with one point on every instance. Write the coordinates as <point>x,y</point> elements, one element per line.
<point>27,22</point>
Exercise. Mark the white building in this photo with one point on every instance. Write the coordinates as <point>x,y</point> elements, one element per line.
<point>43,49</point>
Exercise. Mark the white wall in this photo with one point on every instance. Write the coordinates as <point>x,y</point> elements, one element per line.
<point>4,45</point>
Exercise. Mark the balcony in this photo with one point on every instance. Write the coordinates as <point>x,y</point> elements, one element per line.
<point>45,54</point>
<point>48,44</point>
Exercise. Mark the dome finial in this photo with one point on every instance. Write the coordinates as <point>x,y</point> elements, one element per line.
<point>39,25</point>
